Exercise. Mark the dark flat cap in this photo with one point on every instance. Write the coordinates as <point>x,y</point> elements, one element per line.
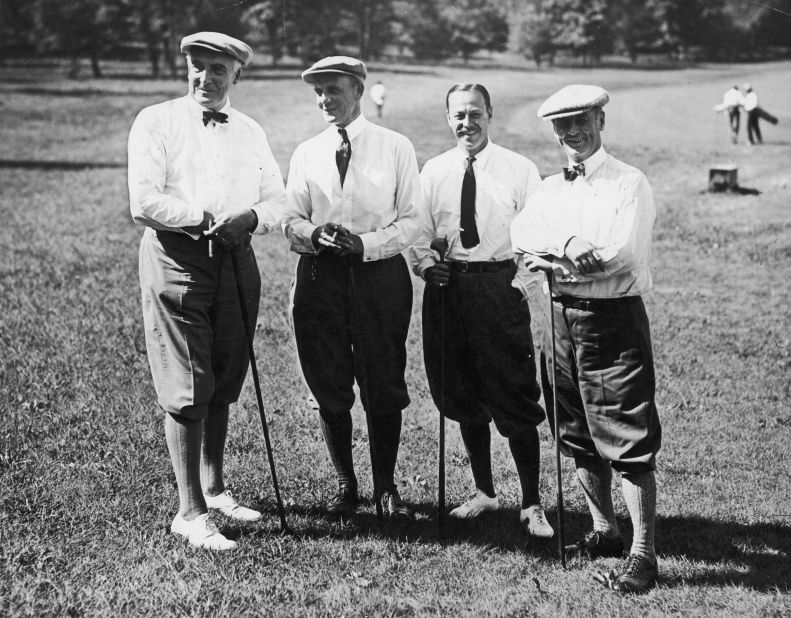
<point>573,100</point>
<point>345,65</point>
<point>220,43</point>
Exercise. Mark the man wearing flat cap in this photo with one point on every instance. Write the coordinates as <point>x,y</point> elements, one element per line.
<point>477,343</point>
<point>202,179</point>
<point>590,227</point>
<point>353,204</point>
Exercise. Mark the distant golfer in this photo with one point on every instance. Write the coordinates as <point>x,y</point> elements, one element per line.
<point>353,204</point>
<point>202,179</point>
<point>591,226</point>
<point>472,193</point>
<point>755,113</point>
<point>377,94</point>
<point>732,101</point>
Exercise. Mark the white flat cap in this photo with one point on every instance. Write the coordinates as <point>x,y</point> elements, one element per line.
<point>572,100</point>
<point>345,65</point>
<point>220,43</point>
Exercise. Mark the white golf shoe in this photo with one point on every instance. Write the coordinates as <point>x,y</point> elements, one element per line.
<point>476,505</point>
<point>535,522</point>
<point>202,533</point>
<point>228,506</point>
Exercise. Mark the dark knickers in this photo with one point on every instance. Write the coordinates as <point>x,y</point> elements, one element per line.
<point>490,368</point>
<point>605,382</point>
<point>195,337</point>
<point>351,320</point>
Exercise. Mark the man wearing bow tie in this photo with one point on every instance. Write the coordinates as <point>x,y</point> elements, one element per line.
<point>353,205</point>
<point>591,226</point>
<point>483,368</point>
<point>202,179</point>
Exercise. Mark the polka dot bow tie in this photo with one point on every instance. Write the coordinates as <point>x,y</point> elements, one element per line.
<point>570,173</point>
<point>218,117</point>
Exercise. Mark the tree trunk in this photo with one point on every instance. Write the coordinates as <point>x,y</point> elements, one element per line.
<point>97,70</point>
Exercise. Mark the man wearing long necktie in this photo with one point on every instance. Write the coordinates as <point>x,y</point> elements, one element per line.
<point>353,204</point>
<point>202,179</point>
<point>490,369</point>
<point>591,226</point>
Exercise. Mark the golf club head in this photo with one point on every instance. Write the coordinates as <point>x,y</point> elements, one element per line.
<point>440,245</point>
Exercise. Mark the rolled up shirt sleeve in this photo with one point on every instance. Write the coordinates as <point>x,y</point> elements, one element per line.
<point>297,221</point>
<point>148,202</point>
<point>270,208</point>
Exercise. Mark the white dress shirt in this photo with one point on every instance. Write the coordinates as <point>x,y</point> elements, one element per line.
<point>503,182</point>
<point>179,167</point>
<point>380,199</point>
<point>750,101</point>
<point>732,98</point>
<point>612,207</point>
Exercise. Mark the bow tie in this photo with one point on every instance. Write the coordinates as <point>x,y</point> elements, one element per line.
<point>218,117</point>
<point>570,173</point>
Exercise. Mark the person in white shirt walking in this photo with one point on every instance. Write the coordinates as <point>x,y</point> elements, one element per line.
<point>471,194</point>
<point>353,204</point>
<point>732,101</point>
<point>377,94</point>
<point>202,179</point>
<point>591,228</point>
<point>753,115</point>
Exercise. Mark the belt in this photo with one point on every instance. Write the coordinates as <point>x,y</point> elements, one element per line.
<point>587,304</point>
<point>480,267</point>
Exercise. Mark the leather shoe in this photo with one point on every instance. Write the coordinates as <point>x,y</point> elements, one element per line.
<point>597,545</point>
<point>202,533</point>
<point>394,507</point>
<point>344,502</point>
<point>638,574</point>
<point>228,506</point>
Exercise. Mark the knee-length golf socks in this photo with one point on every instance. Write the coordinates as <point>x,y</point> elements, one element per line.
<point>183,437</point>
<point>477,440</point>
<point>386,436</point>
<point>525,451</point>
<point>595,478</point>
<point>337,430</point>
<point>215,430</point>
<point>639,492</point>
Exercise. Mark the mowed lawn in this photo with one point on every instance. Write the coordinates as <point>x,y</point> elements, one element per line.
<point>86,489</point>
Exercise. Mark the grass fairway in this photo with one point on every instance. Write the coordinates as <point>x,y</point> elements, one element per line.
<point>86,489</point>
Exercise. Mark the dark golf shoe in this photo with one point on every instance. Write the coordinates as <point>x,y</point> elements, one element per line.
<point>638,574</point>
<point>597,545</point>
<point>344,502</point>
<point>394,507</point>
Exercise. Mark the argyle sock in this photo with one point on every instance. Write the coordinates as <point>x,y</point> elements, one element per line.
<point>477,440</point>
<point>183,437</point>
<point>639,492</point>
<point>215,430</point>
<point>526,454</point>
<point>386,436</point>
<point>595,478</point>
<point>337,429</point>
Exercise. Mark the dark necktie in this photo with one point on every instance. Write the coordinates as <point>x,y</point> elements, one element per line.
<point>469,230</point>
<point>218,117</point>
<point>343,154</point>
<point>570,173</point>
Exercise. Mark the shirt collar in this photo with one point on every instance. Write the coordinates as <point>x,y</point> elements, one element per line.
<point>198,109</point>
<point>593,162</point>
<point>354,128</point>
<point>481,157</point>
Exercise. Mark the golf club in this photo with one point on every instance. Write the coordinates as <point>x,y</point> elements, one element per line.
<point>561,530</point>
<point>440,245</point>
<point>243,304</point>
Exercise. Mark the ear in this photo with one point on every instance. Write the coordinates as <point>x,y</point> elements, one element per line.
<point>601,120</point>
<point>237,76</point>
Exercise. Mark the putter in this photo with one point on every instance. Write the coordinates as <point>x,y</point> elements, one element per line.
<point>243,304</point>
<point>561,530</point>
<point>440,245</point>
<point>364,395</point>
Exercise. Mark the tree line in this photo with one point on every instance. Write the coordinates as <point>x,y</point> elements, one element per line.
<point>426,30</point>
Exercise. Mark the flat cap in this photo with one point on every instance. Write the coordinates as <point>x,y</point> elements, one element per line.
<point>572,100</point>
<point>220,43</point>
<point>345,65</point>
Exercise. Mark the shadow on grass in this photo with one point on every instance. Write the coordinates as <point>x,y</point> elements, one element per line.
<point>57,165</point>
<point>754,556</point>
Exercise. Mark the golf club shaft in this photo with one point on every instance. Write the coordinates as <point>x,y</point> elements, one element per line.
<point>364,390</point>
<point>441,472</point>
<point>257,383</point>
<point>561,531</point>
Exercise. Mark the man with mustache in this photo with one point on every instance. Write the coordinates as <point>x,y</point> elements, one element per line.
<point>353,204</point>
<point>591,226</point>
<point>202,179</point>
<point>472,193</point>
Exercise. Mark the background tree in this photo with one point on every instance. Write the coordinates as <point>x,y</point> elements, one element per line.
<point>475,25</point>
